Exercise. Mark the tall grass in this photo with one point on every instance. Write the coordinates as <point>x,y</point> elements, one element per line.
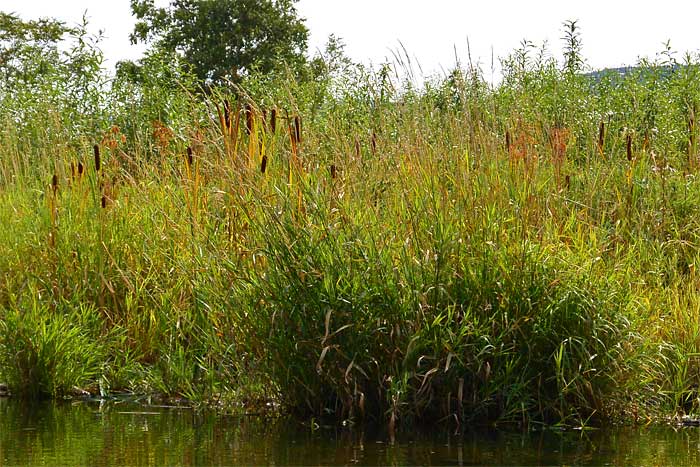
<point>364,249</point>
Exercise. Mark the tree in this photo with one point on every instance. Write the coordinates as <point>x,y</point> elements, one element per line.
<point>224,39</point>
<point>45,64</point>
<point>28,48</point>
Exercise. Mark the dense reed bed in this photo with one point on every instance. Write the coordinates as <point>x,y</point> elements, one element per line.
<point>356,247</point>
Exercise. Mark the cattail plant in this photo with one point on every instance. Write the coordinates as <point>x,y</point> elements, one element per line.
<point>297,129</point>
<point>263,164</point>
<point>601,137</point>
<point>96,152</point>
<point>273,120</point>
<point>190,157</point>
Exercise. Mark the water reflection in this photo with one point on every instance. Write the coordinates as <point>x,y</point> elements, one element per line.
<point>125,434</point>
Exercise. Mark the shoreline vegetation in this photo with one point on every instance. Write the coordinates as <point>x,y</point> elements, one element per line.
<point>353,246</point>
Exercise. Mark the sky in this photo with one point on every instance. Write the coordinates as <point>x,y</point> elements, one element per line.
<point>437,33</point>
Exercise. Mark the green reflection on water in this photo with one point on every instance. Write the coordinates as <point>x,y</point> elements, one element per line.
<point>126,434</point>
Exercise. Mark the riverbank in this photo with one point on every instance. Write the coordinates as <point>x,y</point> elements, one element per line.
<point>360,249</point>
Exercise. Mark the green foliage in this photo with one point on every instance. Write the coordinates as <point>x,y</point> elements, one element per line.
<point>42,83</point>
<point>49,353</point>
<point>27,49</point>
<point>355,322</point>
<point>225,39</point>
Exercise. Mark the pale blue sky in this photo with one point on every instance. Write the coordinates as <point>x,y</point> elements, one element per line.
<point>614,32</point>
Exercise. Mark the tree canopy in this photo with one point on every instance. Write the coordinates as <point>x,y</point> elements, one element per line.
<point>224,39</point>
<point>27,48</point>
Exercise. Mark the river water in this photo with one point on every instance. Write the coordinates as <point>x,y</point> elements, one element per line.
<point>94,434</point>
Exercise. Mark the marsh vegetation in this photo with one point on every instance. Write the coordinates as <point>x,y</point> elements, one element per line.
<point>343,242</point>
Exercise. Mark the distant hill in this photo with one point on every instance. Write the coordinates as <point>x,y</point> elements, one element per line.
<point>621,71</point>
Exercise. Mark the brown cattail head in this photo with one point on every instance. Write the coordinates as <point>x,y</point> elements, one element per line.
<point>333,171</point>
<point>263,164</point>
<point>80,169</point>
<point>249,116</point>
<point>227,113</point>
<point>190,157</point>
<point>103,201</point>
<point>374,142</point>
<point>567,181</point>
<point>629,147</point>
<point>297,128</point>
<point>96,151</point>
<point>601,135</point>
<point>273,120</point>
<point>507,141</point>
<point>54,183</point>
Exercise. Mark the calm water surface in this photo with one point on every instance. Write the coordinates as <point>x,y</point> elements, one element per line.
<point>88,434</point>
